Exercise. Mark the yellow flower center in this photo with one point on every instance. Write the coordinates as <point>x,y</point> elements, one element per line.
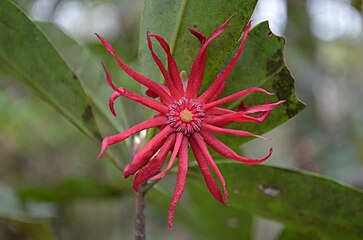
<point>186,115</point>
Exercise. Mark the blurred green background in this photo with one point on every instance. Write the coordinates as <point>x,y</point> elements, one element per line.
<point>44,155</point>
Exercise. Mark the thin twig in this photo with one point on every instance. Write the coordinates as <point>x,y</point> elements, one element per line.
<point>140,216</point>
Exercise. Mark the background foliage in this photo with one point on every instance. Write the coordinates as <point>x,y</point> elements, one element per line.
<point>52,187</point>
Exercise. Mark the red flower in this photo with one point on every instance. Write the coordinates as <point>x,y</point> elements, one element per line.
<point>184,117</point>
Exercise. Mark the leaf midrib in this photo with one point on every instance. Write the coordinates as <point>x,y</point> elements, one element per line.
<point>178,26</point>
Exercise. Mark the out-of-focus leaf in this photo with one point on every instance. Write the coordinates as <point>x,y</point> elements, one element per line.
<point>70,189</point>
<point>31,228</point>
<point>12,214</point>
<point>304,202</point>
<point>212,220</point>
<point>289,234</point>
<point>172,19</point>
<point>262,65</point>
<point>32,59</point>
<point>199,212</point>
<point>357,4</point>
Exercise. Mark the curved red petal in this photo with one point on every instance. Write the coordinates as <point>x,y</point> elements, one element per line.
<point>198,34</point>
<point>210,128</point>
<point>178,142</point>
<point>197,71</point>
<point>180,179</point>
<point>155,164</point>
<point>204,150</point>
<point>144,155</point>
<point>222,77</point>
<point>110,140</point>
<point>173,68</point>
<point>135,75</point>
<point>174,92</point>
<point>226,152</point>
<point>234,97</point>
<point>158,106</point>
<point>204,168</point>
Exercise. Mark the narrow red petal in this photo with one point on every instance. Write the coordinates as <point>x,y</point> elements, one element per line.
<point>155,164</point>
<point>197,71</point>
<point>180,179</point>
<point>111,102</point>
<point>210,128</point>
<point>226,152</point>
<point>174,92</point>
<point>144,155</point>
<point>218,111</point>
<point>204,168</point>
<point>242,116</point>
<point>135,75</point>
<point>110,140</point>
<point>262,108</point>
<point>204,150</point>
<point>198,34</point>
<point>218,93</point>
<point>173,68</point>
<point>178,142</point>
<point>158,106</point>
<point>222,77</point>
<point>234,97</point>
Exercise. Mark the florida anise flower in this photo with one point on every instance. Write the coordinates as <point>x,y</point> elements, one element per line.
<point>185,119</point>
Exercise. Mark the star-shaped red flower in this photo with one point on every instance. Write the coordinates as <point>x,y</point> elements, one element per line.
<point>185,119</point>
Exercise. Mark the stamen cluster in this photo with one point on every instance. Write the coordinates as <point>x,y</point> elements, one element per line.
<point>185,116</point>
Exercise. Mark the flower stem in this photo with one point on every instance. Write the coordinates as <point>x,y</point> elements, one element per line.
<point>140,216</point>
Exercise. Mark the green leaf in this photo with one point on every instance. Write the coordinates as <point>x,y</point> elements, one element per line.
<point>92,78</point>
<point>303,202</point>
<point>31,228</point>
<point>200,212</point>
<point>31,59</point>
<point>71,189</point>
<point>172,19</point>
<point>262,65</point>
<point>289,234</point>
<point>212,220</point>
<point>88,70</point>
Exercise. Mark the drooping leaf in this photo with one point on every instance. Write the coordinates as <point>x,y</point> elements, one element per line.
<point>172,19</point>
<point>92,78</point>
<point>31,59</point>
<point>301,201</point>
<point>85,66</point>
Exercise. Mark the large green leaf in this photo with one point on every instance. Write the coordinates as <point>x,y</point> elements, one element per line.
<point>224,221</point>
<point>88,70</point>
<point>262,65</point>
<point>199,212</point>
<point>305,202</point>
<point>31,58</point>
<point>171,19</point>
<point>92,78</point>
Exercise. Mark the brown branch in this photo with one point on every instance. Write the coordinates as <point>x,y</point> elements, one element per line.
<point>140,216</point>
